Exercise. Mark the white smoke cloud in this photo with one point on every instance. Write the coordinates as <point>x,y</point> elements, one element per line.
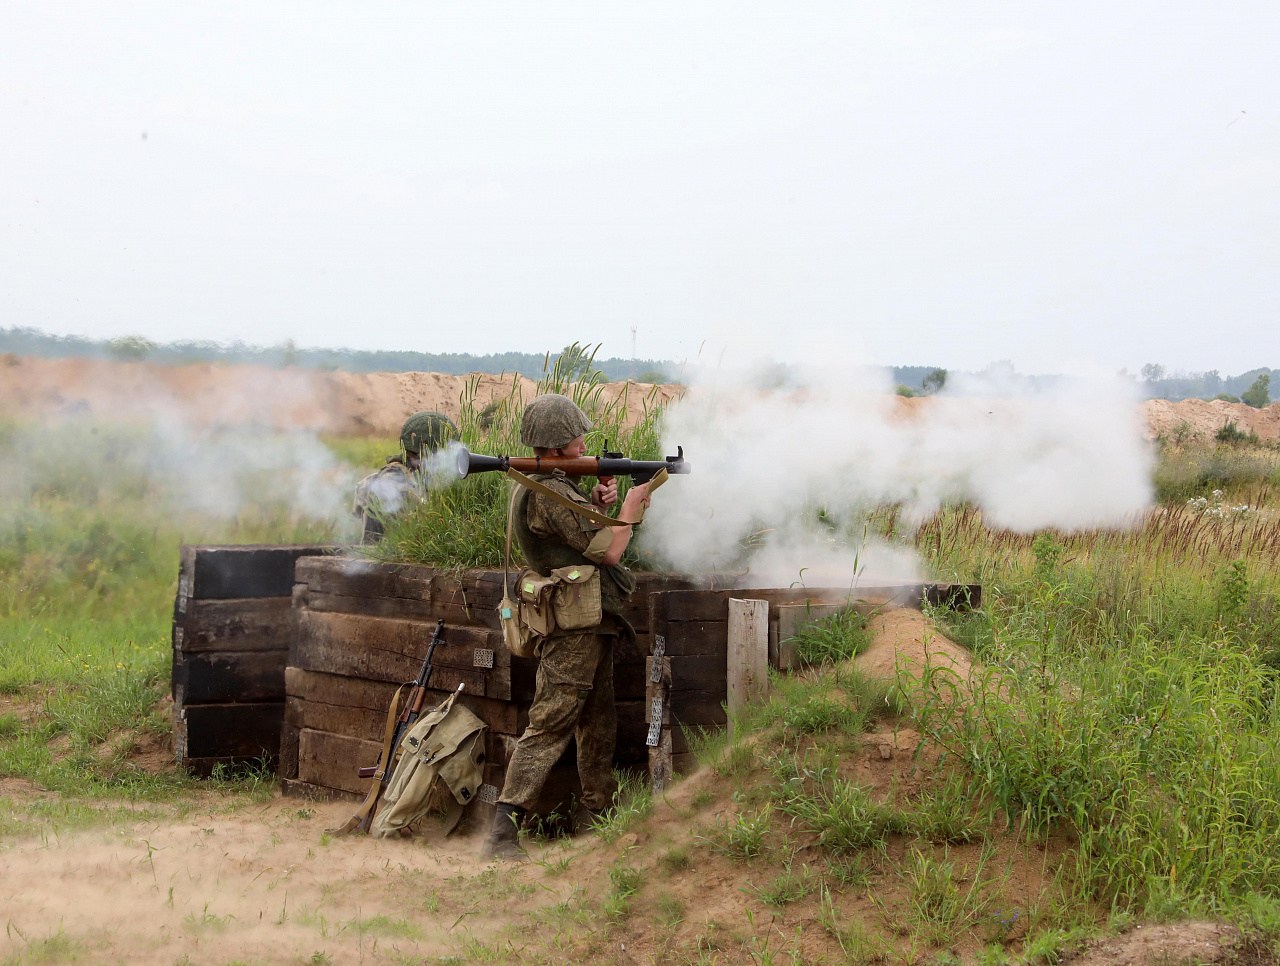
<point>184,455</point>
<point>767,459</point>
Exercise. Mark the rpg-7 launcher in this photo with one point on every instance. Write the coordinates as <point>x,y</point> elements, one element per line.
<point>606,466</point>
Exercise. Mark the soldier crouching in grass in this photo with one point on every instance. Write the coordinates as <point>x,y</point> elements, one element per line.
<point>401,482</point>
<point>574,694</point>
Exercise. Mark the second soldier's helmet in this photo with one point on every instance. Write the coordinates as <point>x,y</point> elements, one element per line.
<point>552,421</point>
<point>426,432</point>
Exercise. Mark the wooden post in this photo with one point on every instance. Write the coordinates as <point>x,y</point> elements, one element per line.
<point>747,674</point>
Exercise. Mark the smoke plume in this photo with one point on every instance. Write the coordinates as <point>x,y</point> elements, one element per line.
<point>798,459</point>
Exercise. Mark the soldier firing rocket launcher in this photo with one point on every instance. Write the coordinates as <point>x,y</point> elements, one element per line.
<point>605,467</point>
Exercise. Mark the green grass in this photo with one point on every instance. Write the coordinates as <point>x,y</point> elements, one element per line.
<point>1129,695</point>
<point>830,639</point>
<point>89,538</point>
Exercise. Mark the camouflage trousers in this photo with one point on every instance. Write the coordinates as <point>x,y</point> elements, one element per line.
<point>573,699</point>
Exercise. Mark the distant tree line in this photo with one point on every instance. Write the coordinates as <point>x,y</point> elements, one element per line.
<point>33,342</point>
<point>1252,387</point>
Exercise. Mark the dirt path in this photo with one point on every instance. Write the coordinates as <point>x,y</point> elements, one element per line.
<point>263,884</point>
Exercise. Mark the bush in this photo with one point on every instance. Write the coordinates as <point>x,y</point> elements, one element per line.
<point>935,381</point>
<point>1227,397</point>
<point>1257,395</point>
<point>1230,433</point>
<point>906,391</point>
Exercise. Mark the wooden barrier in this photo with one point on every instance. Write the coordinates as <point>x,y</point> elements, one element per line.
<point>232,627</point>
<point>362,629</point>
<point>305,680</point>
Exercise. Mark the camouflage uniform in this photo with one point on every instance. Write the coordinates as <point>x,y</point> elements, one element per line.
<point>574,693</point>
<point>386,491</point>
<point>398,484</point>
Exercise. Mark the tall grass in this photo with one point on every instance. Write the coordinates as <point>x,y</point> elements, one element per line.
<point>464,524</point>
<point>1129,695</point>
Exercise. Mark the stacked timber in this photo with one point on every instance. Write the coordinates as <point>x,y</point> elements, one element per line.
<point>232,627</point>
<point>362,629</point>
<point>695,662</point>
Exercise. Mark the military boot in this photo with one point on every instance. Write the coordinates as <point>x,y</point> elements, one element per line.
<point>503,840</point>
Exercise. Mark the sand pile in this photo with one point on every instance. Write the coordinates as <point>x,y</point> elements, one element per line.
<point>906,639</point>
<point>342,403</point>
<point>1206,417</point>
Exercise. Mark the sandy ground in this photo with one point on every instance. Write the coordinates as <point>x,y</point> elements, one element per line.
<point>342,403</point>
<point>373,404</point>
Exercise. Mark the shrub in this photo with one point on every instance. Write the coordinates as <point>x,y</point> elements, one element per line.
<point>935,381</point>
<point>906,391</point>
<point>1231,434</point>
<point>1227,397</point>
<point>1257,395</point>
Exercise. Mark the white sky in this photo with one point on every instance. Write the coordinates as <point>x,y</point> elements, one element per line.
<point>1070,186</point>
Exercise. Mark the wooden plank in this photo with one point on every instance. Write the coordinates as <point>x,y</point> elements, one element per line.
<point>241,624</point>
<point>697,673</point>
<point>363,723</point>
<point>698,709</point>
<point>687,638</point>
<point>375,697</point>
<point>410,591</point>
<point>244,570</point>
<point>242,731</point>
<point>401,636</point>
<point>748,658</point>
<point>334,760</point>
<point>228,678</point>
<point>334,657</point>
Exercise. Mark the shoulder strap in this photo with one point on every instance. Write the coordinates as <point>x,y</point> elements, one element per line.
<point>595,516</point>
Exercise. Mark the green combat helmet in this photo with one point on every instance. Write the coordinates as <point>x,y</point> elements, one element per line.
<point>426,432</point>
<point>552,421</point>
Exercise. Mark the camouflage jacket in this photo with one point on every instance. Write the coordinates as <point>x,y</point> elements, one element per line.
<point>385,492</point>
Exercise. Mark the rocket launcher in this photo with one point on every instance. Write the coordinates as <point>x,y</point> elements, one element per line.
<point>606,466</point>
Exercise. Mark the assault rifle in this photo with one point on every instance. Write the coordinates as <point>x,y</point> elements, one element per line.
<point>381,772</point>
<point>605,467</point>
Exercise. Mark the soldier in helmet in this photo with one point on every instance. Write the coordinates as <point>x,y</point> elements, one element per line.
<point>574,692</point>
<point>401,483</point>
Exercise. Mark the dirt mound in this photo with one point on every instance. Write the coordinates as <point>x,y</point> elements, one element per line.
<point>1169,945</point>
<point>907,639</point>
<point>1206,417</point>
<point>208,394</point>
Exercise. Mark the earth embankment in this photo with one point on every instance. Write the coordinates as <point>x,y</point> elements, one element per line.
<point>376,403</point>
<point>342,403</point>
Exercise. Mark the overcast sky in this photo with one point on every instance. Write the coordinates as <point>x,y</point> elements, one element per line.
<point>1069,186</point>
